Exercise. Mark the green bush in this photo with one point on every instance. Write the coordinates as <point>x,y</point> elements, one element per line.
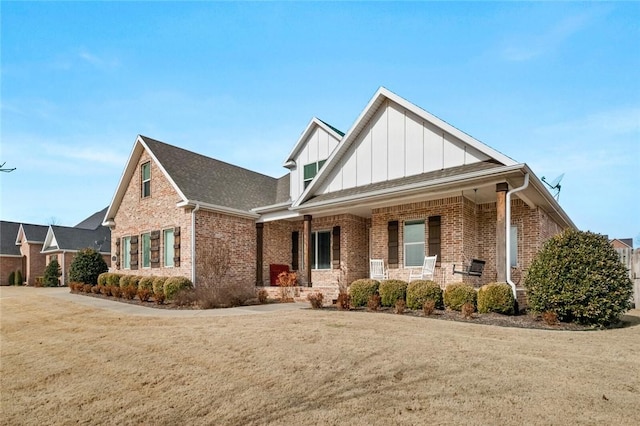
<point>174,284</point>
<point>18,278</point>
<point>134,280</point>
<point>361,290</point>
<point>391,291</point>
<point>420,291</point>
<point>124,281</point>
<point>103,278</point>
<point>158,284</point>
<point>113,280</point>
<point>578,276</point>
<point>51,274</point>
<point>86,266</point>
<point>457,294</point>
<point>496,297</point>
<point>12,278</point>
<point>146,283</point>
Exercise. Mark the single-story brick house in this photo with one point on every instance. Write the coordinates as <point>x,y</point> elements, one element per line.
<point>398,185</point>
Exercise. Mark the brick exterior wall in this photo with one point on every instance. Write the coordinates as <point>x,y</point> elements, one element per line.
<point>9,264</point>
<point>36,261</point>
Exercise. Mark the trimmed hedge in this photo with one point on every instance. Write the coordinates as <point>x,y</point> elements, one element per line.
<point>391,291</point>
<point>457,294</point>
<point>102,278</point>
<point>113,279</point>
<point>361,290</point>
<point>158,284</point>
<point>146,283</point>
<point>578,276</point>
<point>419,291</point>
<point>174,284</point>
<point>496,297</point>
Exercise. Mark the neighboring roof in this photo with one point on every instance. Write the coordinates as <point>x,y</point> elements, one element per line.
<point>625,241</point>
<point>94,221</point>
<point>32,233</point>
<point>65,238</point>
<point>8,236</point>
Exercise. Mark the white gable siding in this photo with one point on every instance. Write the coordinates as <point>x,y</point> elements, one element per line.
<point>397,143</point>
<point>317,147</point>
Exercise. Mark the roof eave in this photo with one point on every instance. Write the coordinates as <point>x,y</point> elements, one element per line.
<point>217,208</point>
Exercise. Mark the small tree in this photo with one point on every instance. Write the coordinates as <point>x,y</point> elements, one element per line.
<point>18,278</point>
<point>578,276</point>
<point>86,266</point>
<point>12,278</point>
<point>51,274</point>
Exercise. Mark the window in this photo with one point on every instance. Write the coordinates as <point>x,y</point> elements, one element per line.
<point>126,252</point>
<point>513,246</point>
<point>146,179</point>
<point>311,170</point>
<point>321,250</point>
<point>413,243</point>
<point>146,250</point>
<point>169,241</point>
<point>434,237</point>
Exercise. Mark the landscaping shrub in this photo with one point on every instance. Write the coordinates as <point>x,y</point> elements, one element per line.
<point>144,294</point>
<point>315,299</point>
<point>18,278</point>
<point>457,294</point>
<point>113,279</point>
<point>158,284</point>
<point>362,290</point>
<point>12,278</point>
<point>86,266</point>
<point>429,307</point>
<point>146,283</point>
<point>158,296</point>
<point>103,278</point>
<point>579,276</point>
<point>420,291</point>
<point>551,318</point>
<point>174,284</point>
<point>400,306</point>
<point>129,292</point>
<point>95,289</point>
<point>51,274</point>
<point>467,310</point>
<point>124,281</point>
<point>263,296</point>
<point>87,288</point>
<point>115,291</point>
<point>374,302</point>
<point>134,280</point>
<point>344,301</point>
<point>496,297</point>
<point>186,297</point>
<point>392,291</point>
<point>223,294</point>
<point>104,290</point>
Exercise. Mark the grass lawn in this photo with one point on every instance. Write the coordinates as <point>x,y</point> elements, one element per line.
<point>64,363</point>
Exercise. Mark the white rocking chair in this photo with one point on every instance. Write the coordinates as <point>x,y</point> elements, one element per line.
<point>427,271</point>
<point>377,270</point>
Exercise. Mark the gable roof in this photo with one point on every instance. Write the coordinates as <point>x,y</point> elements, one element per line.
<point>94,221</point>
<point>378,99</point>
<point>31,233</point>
<point>8,237</point>
<point>199,179</point>
<point>315,122</point>
<point>65,238</point>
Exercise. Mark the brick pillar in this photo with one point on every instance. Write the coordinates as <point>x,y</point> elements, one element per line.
<point>259,245</point>
<point>307,247</point>
<point>501,231</point>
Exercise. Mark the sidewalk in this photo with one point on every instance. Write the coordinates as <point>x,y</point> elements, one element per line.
<point>64,293</point>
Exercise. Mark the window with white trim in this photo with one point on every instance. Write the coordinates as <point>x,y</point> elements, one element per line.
<point>169,241</point>
<point>321,250</point>
<point>126,253</point>
<point>311,170</point>
<point>145,175</point>
<point>414,243</point>
<point>146,250</point>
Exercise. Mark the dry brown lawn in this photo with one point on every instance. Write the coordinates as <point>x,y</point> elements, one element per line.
<point>64,363</point>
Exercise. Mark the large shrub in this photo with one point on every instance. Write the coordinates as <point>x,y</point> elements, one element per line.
<point>51,274</point>
<point>578,276</point>
<point>496,297</point>
<point>361,290</point>
<point>419,291</point>
<point>457,294</point>
<point>391,291</point>
<point>86,266</point>
<point>12,278</point>
<point>174,284</point>
<point>18,278</point>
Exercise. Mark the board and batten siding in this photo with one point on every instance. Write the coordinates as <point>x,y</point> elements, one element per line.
<point>318,146</point>
<point>397,143</point>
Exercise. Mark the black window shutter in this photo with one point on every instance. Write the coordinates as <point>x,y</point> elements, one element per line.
<point>392,231</point>
<point>435,242</point>
<point>295,247</point>
<point>336,247</point>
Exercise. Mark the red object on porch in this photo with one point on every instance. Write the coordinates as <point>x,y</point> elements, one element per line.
<point>275,270</point>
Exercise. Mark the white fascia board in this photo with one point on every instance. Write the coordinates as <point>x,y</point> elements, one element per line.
<point>129,171</point>
<point>272,208</point>
<point>20,232</point>
<point>218,209</point>
<point>305,134</point>
<point>279,215</point>
<point>11,255</point>
<point>48,240</point>
<point>552,203</point>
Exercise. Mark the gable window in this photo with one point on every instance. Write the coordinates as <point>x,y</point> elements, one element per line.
<point>146,250</point>
<point>435,242</point>
<point>145,174</point>
<point>169,241</point>
<point>513,246</point>
<point>414,243</point>
<point>311,170</point>
<point>126,252</point>
<point>321,250</point>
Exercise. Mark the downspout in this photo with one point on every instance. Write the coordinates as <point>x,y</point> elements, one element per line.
<point>508,235</point>
<point>193,243</point>
<point>63,283</point>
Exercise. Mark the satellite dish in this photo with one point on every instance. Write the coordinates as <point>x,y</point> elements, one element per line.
<point>555,186</point>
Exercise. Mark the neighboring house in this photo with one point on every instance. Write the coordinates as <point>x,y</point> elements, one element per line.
<point>10,255</point>
<point>30,239</point>
<point>622,243</point>
<point>63,242</point>
<point>399,185</point>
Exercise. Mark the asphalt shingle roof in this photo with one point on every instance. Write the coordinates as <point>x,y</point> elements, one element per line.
<point>34,232</point>
<point>94,221</point>
<point>204,179</point>
<point>77,238</point>
<point>8,235</point>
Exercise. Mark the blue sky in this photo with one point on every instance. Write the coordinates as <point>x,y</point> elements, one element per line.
<point>555,85</point>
